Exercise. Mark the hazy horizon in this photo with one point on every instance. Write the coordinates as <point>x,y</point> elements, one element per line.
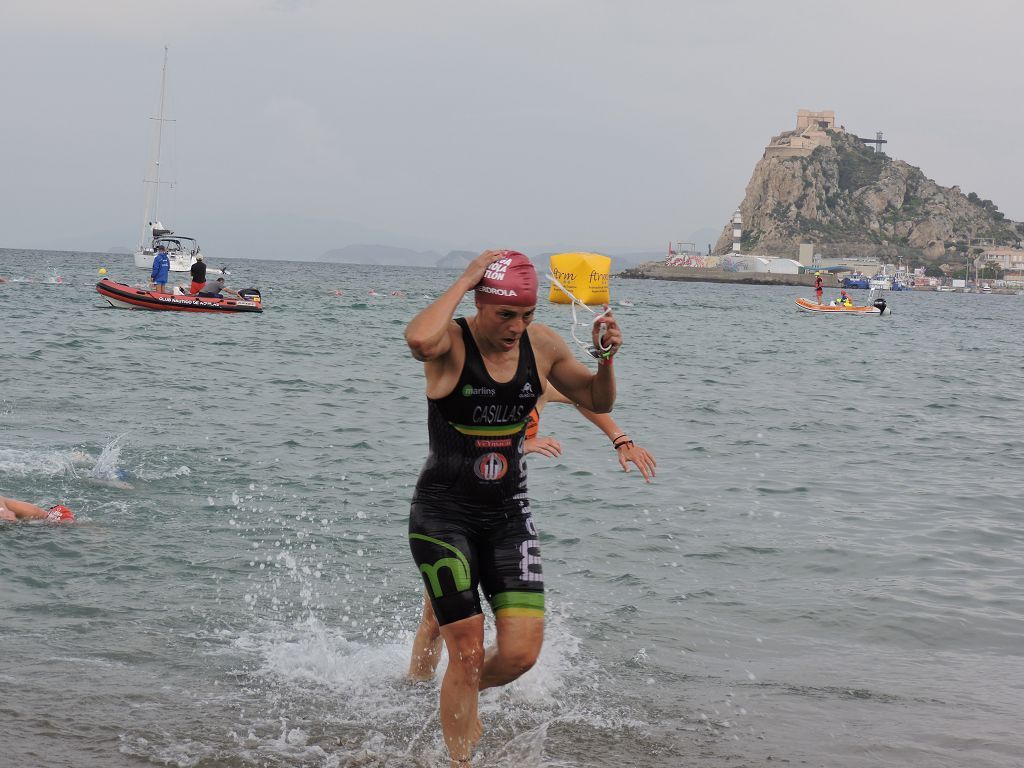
<point>302,126</point>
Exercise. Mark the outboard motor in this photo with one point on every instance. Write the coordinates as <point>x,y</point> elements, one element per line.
<point>881,305</point>
<point>253,294</point>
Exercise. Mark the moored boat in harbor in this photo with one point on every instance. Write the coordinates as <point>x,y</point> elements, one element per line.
<point>856,280</point>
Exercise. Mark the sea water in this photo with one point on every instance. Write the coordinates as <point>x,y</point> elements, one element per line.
<point>826,571</point>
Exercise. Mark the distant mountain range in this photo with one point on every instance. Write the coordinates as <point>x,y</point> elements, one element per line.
<point>388,254</point>
<point>397,256</point>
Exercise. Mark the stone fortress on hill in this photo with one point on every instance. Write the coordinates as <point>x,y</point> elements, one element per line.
<point>820,195</point>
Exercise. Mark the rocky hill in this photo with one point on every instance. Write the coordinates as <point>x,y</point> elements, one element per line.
<point>825,186</point>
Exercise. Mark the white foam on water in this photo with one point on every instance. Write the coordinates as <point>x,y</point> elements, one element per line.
<point>333,662</point>
<point>182,754</point>
<point>107,470</point>
<point>75,463</point>
<point>312,652</point>
<point>289,746</point>
<point>523,749</point>
<point>559,663</point>
<point>163,473</point>
<point>79,457</point>
<point>334,676</point>
<point>106,465</point>
<point>14,461</point>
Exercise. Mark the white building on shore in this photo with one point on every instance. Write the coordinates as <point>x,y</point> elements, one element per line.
<point>736,261</point>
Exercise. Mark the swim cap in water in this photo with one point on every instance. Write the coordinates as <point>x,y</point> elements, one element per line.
<point>510,279</point>
<point>60,514</point>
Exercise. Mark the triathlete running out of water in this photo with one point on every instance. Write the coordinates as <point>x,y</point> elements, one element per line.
<point>469,524</point>
<point>426,647</point>
<point>12,510</point>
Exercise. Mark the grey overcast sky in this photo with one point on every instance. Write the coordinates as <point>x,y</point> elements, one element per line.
<point>306,125</point>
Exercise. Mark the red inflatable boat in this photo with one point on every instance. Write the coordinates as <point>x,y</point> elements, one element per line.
<point>129,297</point>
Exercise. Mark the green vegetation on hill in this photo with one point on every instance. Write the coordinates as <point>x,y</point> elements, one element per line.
<point>859,166</point>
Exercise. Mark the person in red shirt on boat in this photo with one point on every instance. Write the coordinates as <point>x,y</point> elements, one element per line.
<point>198,275</point>
<point>817,285</point>
<point>213,289</point>
<point>12,510</point>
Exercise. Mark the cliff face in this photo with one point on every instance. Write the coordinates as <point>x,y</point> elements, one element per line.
<point>848,199</point>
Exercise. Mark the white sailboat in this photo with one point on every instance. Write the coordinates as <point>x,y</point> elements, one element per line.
<point>181,250</point>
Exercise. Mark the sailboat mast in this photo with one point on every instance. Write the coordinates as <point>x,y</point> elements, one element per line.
<point>151,183</point>
<point>160,136</point>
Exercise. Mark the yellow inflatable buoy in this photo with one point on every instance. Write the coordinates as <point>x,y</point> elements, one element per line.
<point>103,271</point>
<point>584,275</point>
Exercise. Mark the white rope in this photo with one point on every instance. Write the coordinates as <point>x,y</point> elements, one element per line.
<point>591,349</point>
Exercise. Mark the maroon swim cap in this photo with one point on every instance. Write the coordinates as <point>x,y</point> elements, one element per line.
<point>509,279</point>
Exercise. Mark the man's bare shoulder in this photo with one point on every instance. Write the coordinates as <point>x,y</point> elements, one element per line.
<point>547,345</point>
<point>543,334</point>
<point>440,370</point>
<point>454,333</point>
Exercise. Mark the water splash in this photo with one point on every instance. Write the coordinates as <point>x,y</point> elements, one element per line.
<point>107,469</point>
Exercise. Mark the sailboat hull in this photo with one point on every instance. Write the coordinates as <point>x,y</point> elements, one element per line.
<point>183,263</point>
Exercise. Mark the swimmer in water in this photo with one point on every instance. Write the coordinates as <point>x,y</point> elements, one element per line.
<point>12,510</point>
<point>470,525</point>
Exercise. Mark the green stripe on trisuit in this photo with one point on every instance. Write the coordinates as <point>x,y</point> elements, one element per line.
<point>532,600</point>
<point>499,431</point>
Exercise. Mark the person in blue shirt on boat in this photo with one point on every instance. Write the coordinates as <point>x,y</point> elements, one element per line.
<point>212,289</point>
<point>161,269</point>
<point>843,300</point>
